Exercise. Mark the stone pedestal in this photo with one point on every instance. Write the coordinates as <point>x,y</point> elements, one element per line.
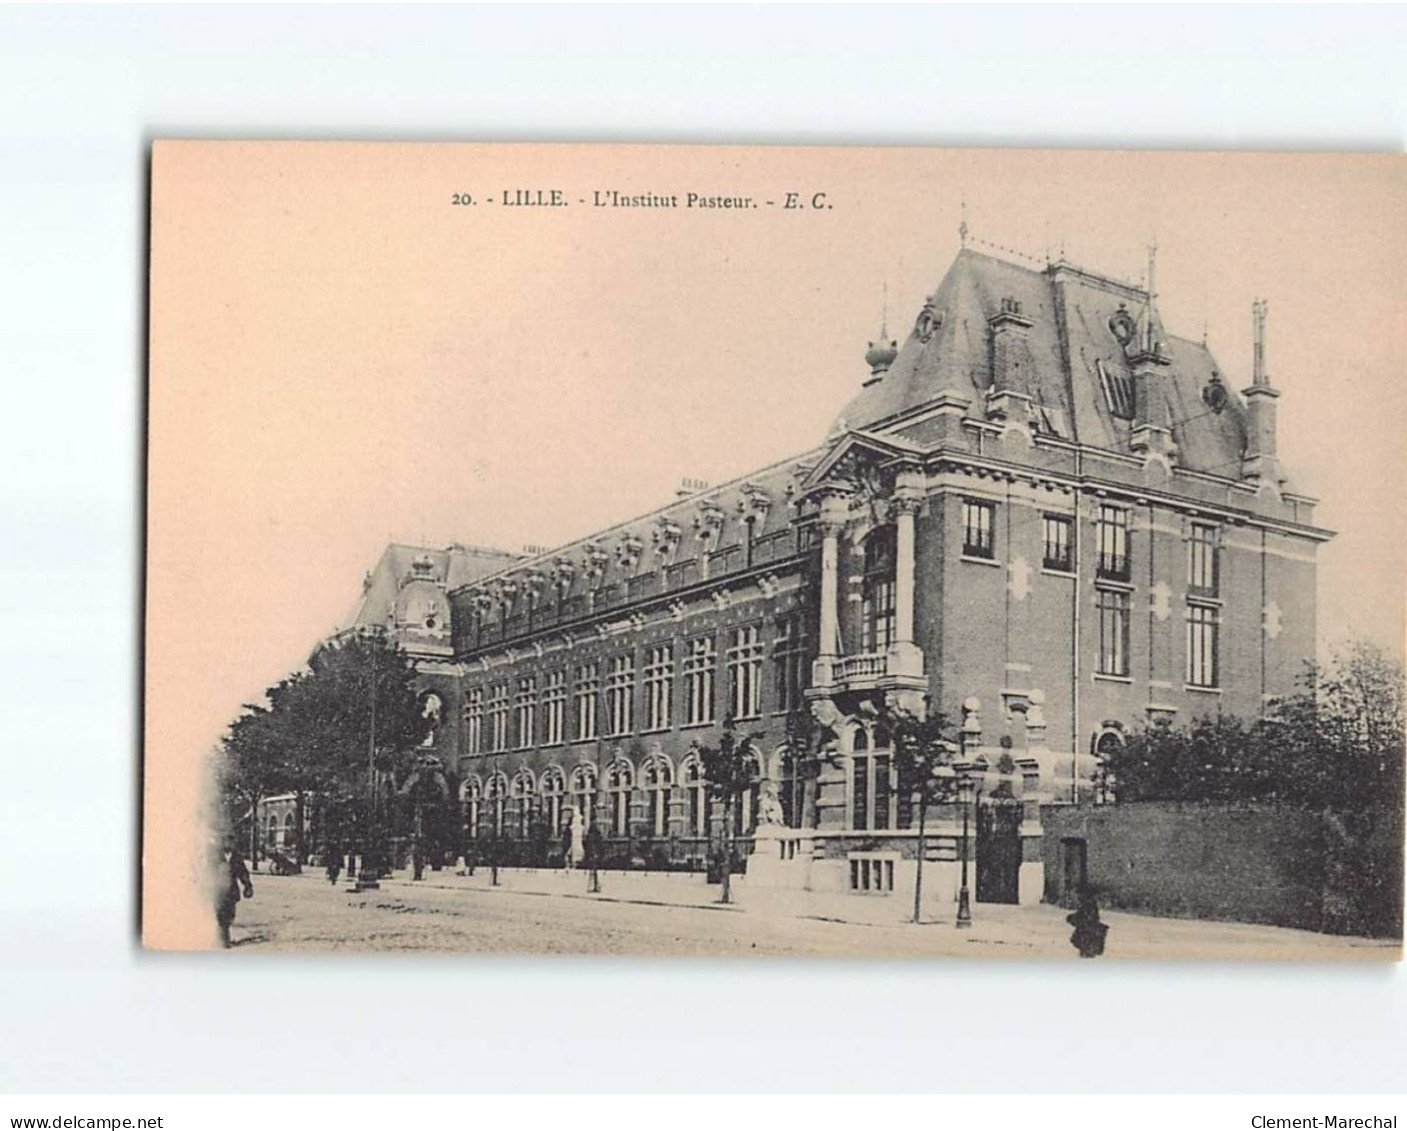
<point>781,858</point>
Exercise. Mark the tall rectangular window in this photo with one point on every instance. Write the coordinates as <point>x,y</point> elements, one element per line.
<point>620,694</point>
<point>1203,578</point>
<point>1203,631</point>
<point>584,694</point>
<point>699,663</point>
<point>659,686</point>
<point>1113,607</point>
<point>788,662</point>
<point>1059,552</point>
<point>745,673</point>
<point>978,520</point>
<point>474,721</point>
<point>872,795</point>
<point>526,708</point>
<point>498,717</point>
<point>1113,543</point>
<point>554,707</point>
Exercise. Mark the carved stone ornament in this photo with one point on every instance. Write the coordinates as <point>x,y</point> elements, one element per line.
<point>754,502</point>
<point>594,560</point>
<point>628,551</point>
<point>929,321</point>
<point>708,522</point>
<point>666,537</point>
<point>1122,326</point>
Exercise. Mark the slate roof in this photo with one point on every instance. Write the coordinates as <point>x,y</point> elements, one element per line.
<point>777,483</point>
<point>452,566</point>
<point>1070,337</point>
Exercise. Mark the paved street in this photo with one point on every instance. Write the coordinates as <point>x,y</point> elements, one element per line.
<point>547,912</point>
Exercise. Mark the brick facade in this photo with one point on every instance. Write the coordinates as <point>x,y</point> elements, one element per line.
<point>1042,513</point>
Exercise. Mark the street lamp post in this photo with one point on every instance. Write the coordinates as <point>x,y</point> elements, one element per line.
<point>969,734</point>
<point>498,805</point>
<point>593,837</point>
<point>370,876</point>
<point>964,899</point>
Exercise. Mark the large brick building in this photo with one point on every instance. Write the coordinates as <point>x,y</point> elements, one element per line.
<point>1042,511</point>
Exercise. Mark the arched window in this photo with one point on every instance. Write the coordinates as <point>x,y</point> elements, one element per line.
<point>471,797</point>
<point>877,592</point>
<point>523,801</point>
<point>691,774</point>
<point>1109,743</point>
<point>658,780</point>
<point>290,839</point>
<point>554,788</point>
<point>273,830</point>
<point>620,780</point>
<point>497,794</point>
<point>873,797</point>
<point>584,788</point>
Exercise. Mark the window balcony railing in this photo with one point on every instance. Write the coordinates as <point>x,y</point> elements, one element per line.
<point>646,585</point>
<point>773,547</point>
<point>725,560</point>
<point>866,665</point>
<point>1113,567</point>
<point>681,574</point>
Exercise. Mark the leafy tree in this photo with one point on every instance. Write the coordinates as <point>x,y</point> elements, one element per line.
<point>799,756</point>
<point>254,766</point>
<point>729,771</point>
<point>1334,747</point>
<point>924,747</point>
<point>355,707</point>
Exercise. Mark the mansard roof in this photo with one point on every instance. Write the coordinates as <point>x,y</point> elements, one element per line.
<point>775,488</point>
<point>452,567</point>
<point>1071,338</point>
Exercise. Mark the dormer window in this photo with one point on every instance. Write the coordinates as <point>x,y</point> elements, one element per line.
<point>1118,391</point>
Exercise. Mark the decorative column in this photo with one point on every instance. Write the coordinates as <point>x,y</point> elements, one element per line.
<point>904,656</point>
<point>835,508</point>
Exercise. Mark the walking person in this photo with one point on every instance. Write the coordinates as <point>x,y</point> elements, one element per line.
<point>233,879</point>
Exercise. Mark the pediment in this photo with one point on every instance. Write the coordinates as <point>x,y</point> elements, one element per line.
<point>861,459</point>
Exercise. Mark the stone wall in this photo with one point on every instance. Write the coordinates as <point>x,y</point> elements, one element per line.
<point>1258,863</point>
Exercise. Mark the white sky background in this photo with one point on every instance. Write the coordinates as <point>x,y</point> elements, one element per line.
<point>81,90</point>
<point>365,363</point>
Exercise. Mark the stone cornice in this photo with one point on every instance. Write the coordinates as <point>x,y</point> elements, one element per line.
<point>766,578</point>
<point>1132,492</point>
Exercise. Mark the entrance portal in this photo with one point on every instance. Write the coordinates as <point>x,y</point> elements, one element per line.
<point>998,851</point>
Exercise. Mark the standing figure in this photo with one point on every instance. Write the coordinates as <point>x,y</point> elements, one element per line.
<point>232,879</point>
<point>334,864</point>
<point>1089,932</point>
<point>574,836</point>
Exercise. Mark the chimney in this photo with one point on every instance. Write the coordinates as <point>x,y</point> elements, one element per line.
<point>1260,460</point>
<point>1012,365</point>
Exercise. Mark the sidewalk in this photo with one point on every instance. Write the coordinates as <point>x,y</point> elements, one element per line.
<point>1021,931</point>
